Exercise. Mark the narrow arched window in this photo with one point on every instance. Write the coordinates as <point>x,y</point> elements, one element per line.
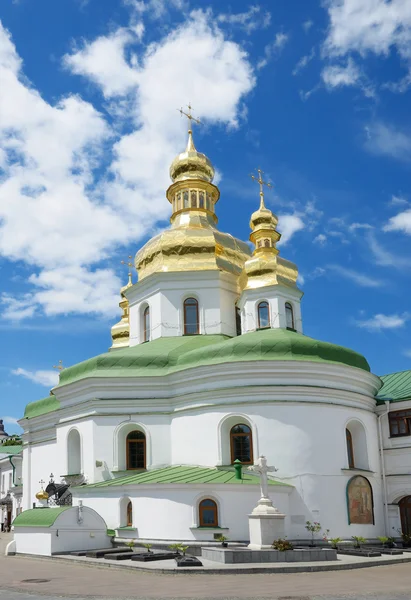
<point>267,243</point>
<point>191,317</point>
<point>129,515</point>
<point>208,513</point>
<point>237,320</point>
<point>73,453</point>
<point>263,315</point>
<point>289,316</point>
<point>146,322</point>
<point>136,450</point>
<point>350,449</point>
<point>241,444</point>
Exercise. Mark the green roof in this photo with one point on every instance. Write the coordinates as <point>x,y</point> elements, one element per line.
<point>39,517</point>
<point>172,354</point>
<point>41,407</point>
<point>396,387</point>
<point>183,475</point>
<point>7,450</point>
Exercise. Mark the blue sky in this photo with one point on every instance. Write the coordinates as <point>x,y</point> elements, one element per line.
<point>315,93</point>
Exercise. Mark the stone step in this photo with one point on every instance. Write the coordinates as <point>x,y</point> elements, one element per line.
<point>101,553</point>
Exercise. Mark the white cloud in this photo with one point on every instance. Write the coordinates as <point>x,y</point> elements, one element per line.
<point>387,140</point>
<point>398,200</point>
<point>289,225</point>
<point>251,20</point>
<point>47,378</point>
<point>104,62</point>
<point>357,226</point>
<point>320,239</point>
<point>307,25</point>
<point>360,279</point>
<point>335,76</point>
<point>401,222</point>
<point>273,49</point>
<point>300,279</point>
<point>379,322</point>
<point>369,26</point>
<point>62,211</point>
<point>303,62</point>
<point>156,9</point>
<point>10,421</point>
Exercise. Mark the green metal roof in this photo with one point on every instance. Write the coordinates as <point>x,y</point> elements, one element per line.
<point>172,354</point>
<point>41,407</point>
<point>183,475</point>
<point>396,387</point>
<point>39,517</point>
<point>7,450</point>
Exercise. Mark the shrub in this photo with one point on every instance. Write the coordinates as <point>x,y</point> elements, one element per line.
<point>358,540</point>
<point>313,528</point>
<point>335,542</point>
<point>383,539</point>
<point>147,546</point>
<point>282,545</point>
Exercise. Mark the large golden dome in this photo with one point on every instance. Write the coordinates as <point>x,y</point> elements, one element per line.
<point>192,243</point>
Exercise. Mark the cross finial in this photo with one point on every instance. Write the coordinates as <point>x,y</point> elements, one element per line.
<point>261,183</point>
<point>189,116</point>
<point>129,265</point>
<point>59,367</point>
<point>42,482</point>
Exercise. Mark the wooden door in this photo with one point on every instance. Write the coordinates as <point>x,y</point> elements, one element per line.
<point>405,511</point>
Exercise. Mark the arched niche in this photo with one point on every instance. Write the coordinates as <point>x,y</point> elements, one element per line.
<point>356,445</point>
<point>225,438</point>
<point>74,466</point>
<point>120,444</point>
<point>360,502</point>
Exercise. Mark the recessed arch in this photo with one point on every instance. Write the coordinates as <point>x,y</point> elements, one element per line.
<point>126,518</point>
<point>74,452</point>
<point>360,501</point>
<point>208,512</point>
<point>120,444</point>
<point>263,314</point>
<point>357,453</point>
<point>136,450</point>
<point>224,430</point>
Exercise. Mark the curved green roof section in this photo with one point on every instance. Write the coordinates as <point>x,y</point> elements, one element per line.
<point>41,407</point>
<point>172,354</point>
<point>396,387</point>
<point>39,517</point>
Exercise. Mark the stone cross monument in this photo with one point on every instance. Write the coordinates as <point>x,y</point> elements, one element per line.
<point>266,523</point>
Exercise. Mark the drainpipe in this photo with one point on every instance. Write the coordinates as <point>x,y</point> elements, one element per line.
<point>384,479</point>
<point>14,469</point>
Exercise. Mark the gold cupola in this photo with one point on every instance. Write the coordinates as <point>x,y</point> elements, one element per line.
<point>120,332</point>
<point>265,267</point>
<point>192,242</point>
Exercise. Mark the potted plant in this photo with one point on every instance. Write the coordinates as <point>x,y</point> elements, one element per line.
<point>282,545</point>
<point>313,528</point>
<point>223,539</point>
<point>183,549</point>
<point>175,548</point>
<point>358,540</point>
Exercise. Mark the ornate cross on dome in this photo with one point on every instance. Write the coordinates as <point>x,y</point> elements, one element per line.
<point>189,116</point>
<point>262,183</point>
<point>262,469</point>
<point>129,265</point>
<point>42,482</point>
<point>59,367</point>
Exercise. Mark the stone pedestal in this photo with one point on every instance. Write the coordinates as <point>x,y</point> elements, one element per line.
<point>266,524</point>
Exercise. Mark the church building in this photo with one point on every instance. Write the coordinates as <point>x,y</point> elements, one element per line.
<point>209,369</point>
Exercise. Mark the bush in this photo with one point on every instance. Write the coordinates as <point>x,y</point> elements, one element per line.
<point>282,545</point>
<point>358,540</point>
<point>335,542</point>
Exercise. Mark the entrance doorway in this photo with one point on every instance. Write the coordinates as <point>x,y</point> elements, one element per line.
<point>405,512</point>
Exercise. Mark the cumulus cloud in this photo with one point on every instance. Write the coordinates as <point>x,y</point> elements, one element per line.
<point>401,222</point>
<point>46,378</point>
<point>73,187</point>
<point>380,322</point>
<point>320,239</point>
<point>335,76</point>
<point>288,225</point>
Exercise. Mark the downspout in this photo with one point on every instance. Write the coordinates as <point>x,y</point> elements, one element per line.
<point>384,479</point>
<point>14,469</point>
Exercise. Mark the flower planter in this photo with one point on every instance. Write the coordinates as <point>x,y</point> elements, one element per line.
<point>150,556</point>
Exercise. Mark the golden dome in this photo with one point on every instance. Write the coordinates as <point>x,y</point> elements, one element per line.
<point>192,243</point>
<point>42,495</point>
<point>191,164</point>
<point>120,332</point>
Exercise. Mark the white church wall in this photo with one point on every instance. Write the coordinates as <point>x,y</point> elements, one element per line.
<point>276,296</point>
<point>165,293</point>
<point>44,458</point>
<point>76,437</point>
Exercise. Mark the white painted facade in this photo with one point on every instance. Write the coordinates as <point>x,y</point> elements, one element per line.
<point>10,486</point>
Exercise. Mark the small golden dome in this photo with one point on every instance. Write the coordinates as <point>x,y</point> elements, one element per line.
<point>120,332</point>
<point>191,164</point>
<point>263,216</point>
<point>42,495</point>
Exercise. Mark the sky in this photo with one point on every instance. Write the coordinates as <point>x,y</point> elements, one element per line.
<point>315,93</point>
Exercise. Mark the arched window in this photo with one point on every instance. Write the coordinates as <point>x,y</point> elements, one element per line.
<point>267,243</point>
<point>190,316</point>
<point>136,450</point>
<point>289,316</point>
<point>129,515</point>
<point>360,501</point>
<point>241,443</point>
<point>263,315</point>
<point>405,513</point>
<point>208,513</point>
<point>73,453</point>
<point>146,323</point>
<point>350,449</point>
<point>237,320</point>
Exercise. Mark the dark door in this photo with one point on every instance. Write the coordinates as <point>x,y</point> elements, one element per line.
<point>405,511</point>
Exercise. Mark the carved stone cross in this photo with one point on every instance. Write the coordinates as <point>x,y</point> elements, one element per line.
<point>262,469</point>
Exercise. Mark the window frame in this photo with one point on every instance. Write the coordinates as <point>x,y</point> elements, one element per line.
<point>147,330</point>
<point>250,435</point>
<point>129,514</point>
<point>143,441</point>
<point>201,510</point>
<point>259,307</point>
<point>397,417</point>
<point>350,449</point>
<point>289,309</point>
<point>197,321</point>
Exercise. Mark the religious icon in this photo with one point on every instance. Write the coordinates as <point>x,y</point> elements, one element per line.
<point>360,503</point>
